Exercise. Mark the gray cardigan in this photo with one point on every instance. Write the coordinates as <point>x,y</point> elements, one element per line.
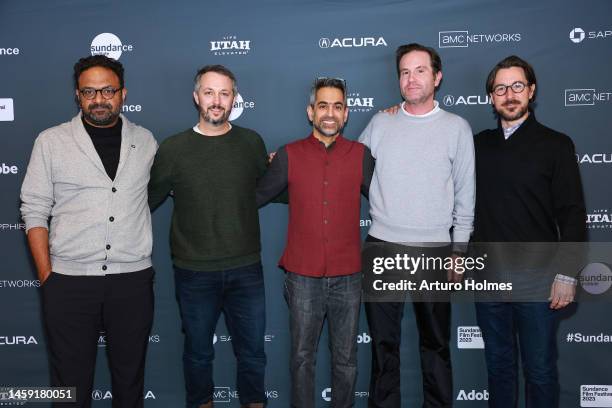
<point>98,226</point>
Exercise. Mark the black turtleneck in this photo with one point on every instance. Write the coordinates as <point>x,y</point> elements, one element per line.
<point>107,142</point>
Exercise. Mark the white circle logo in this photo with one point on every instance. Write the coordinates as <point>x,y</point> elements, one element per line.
<point>237,108</point>
<point>449,100</point>
<point>107,44</point>
<point>324,43</point>
<point>596,278</point>
<point>577,35</point>
<point>96,395</point>
<point>214,338</point>
<point>326,394</point>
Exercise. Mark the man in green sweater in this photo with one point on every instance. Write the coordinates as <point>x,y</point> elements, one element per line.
<point>212,170</point>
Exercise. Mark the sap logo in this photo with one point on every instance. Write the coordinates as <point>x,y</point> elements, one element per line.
<point>363,338</point>
<point>17,340</point>
<point>4,169</point>
<point>110,45</point>
<point>326,394</point>
<point>9,51</point>
<point>230,45</point>
<point>450,100</point>
<point>7,113</point>
<point>473,396</point>
<point>224,394</point>
<point>577,35</point>
<point>98,395</point>
<point>131,108</point>
<point>595,158</point>
<point>350,42</point>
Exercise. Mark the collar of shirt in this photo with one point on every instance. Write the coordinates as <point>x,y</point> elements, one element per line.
<point>197,129</point>
<point>435,110</point>
<point>510,130</point>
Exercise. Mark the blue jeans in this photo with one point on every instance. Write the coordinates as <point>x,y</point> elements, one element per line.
<point>311,301</point>
<point>239,294</point>
<point>536,326</point>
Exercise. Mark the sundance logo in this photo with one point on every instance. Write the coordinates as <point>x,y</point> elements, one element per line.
<point>17,340</point>
<point>98,395</point>
<point>599,219</point>
<point>9,51</point>
<point>451,100</point>
<point>596,395</point>
<point>577,35</point>
<point>357,103</point>
<point>463,38</point>
<point>596,278</point>
<point>350,42</point>
<point>20,284</point>
<point>473,395</point>
<point>7,113</point>
<point>230,45</point>
<point>585,97</point>
<point>594,158</point>
<point>239,106</point>
<point>110,45</point>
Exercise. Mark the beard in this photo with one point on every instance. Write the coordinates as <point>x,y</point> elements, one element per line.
<point>215,122</point>
<point>516,114</point>
<point>328,132</point>
<point>105,119</point>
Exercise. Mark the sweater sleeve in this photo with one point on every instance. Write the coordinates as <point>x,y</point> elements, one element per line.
<point>464,181</point>
<point>368,171</point>
<point>160,183</point>
<point>275,180</point>
<point>37,189</point>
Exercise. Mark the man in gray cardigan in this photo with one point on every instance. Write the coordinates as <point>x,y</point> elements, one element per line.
<point>90,175</point>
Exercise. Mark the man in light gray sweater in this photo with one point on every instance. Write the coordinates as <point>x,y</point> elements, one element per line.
<point>89,176</point>
<point>421,195</point>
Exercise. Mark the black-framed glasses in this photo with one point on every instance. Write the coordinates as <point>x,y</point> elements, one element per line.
<point>107,92</point>
<point>517,87</point>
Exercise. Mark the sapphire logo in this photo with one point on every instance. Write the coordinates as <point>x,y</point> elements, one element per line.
<point>230,45</point>
<point>463,38</point>
<point>577,35</point>
<point>352,42</point>
<point>6,110</point>
<point>110,45</point>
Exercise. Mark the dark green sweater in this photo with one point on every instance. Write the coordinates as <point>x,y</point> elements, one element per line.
<point>215,223</point>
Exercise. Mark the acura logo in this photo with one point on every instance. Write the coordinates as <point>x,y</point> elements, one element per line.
<point>449,100</point>
<point>96,395</point>
<point>324,43</point>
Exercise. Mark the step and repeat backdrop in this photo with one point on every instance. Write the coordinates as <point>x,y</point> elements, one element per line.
<point>277,48</point>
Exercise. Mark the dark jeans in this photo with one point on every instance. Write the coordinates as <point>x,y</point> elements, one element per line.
<point>311,301</point>
<point>238,293</point>
<point>536,326</point>
<point>433,323</point>
<point>75,309</point>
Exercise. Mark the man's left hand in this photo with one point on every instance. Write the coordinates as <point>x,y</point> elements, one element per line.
<point>451,275</point>
<point>561,294</point>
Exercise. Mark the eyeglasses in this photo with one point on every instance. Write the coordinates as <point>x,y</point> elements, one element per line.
<point>107,93</point>
<point>517,87</point>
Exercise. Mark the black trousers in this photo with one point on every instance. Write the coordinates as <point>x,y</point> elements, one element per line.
<point>75,309</point>
<point>433,323</point>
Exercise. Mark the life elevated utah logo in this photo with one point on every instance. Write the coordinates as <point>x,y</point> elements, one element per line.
<point>230,45</point>
<point>463,38</point>
<point>358,103</point>
<point>352,42</point>
<point>110,45</point>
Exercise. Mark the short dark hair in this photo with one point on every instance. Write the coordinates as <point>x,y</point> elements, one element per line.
<point>326,82</point>
<point>219,69</point>
<point>509,62</point>
<point>436,62</point>
<point>97,61</point>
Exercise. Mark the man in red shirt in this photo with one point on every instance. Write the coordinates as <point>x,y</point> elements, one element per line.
<point>324,174</point>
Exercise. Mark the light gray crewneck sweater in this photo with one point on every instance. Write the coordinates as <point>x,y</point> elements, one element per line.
<point>424,181</point>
